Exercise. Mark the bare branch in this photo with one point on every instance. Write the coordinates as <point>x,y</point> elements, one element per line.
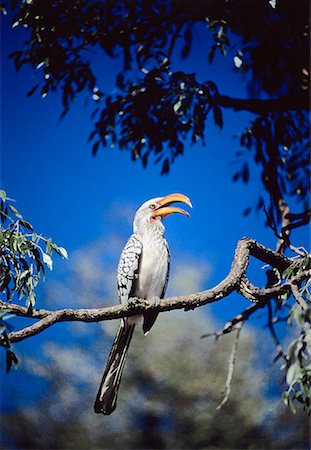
<point>232,360</point>
<point>235,281</point>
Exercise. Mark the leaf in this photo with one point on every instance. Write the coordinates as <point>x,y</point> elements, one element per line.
<point>33,90</point>
<point>48,261</point>
<point>14,211</point>
<point>287,401</point>
<point>48,247</point>
<point>95,148</point>
<point>31,300</point>
<point>245,173</point>
<point>177,106</point>
<point>218,116</point>
<point>26,225</point>
<point>246,212</point>
<point>211,53</point>
<point>165,166</point>
<point>120,81</point>
<point>187,46</point>
<point>63,252</point>
<point>3,195</point>
<point>10,359</point>
<point>293,374</point>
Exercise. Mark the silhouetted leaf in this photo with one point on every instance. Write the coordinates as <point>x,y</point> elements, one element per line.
<point>33,90</point>
<point>236,176</point>
<point>247,212</point>
<point>165,166</point>
<point>245,173</point>
<point>10,359</point>
<point>218,116</point>
<point>95,147</point>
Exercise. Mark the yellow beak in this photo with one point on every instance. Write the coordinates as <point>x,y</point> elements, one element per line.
<point>164,209</point>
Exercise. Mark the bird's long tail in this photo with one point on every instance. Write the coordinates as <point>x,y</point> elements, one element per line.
<point>106,398</point>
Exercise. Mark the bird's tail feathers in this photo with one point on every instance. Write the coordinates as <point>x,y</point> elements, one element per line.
<point>106,398</point>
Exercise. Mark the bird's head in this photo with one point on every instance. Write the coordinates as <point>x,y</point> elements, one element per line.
<point>152,212</point>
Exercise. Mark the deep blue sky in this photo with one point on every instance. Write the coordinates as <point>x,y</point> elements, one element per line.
<point>47,166</point>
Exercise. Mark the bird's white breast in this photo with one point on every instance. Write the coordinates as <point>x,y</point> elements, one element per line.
<point>153,267</point>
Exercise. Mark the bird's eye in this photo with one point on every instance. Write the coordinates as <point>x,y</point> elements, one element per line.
<point>152,206</point>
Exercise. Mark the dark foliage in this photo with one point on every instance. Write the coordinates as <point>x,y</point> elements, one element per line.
<point>155,108</point>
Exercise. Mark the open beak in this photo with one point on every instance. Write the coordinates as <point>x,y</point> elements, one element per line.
<point>165,209</point>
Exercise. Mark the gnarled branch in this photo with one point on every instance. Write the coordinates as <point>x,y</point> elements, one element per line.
<point>236,280</point>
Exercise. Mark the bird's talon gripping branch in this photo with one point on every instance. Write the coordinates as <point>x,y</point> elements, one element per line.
<point>135,302</point>
<point>156,301</point>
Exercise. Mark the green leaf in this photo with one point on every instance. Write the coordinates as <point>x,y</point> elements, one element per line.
<point>3,195</point>
<point>48,261</point>
<point>63,252</point>
<point>48,247</point>
<point>177,106</point>
<point>293,374</point>
<point>26,225</point>
<point>14,211</point>
<point>31,300</point>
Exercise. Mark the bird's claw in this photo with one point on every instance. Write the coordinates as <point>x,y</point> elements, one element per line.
<point>134,302</point>
<point>156,300</point>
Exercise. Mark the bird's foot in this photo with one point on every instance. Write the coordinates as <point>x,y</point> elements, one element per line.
<point>155,300</point>
<point>134,302</point>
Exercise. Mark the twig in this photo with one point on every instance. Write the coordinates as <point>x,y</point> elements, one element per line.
<point>231,366</point>
<point>241,317</point>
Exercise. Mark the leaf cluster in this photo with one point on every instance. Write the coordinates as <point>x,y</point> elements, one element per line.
<point>279,144</point>
<point>24,255</point>
<point>156,115</point>
<point>297,363</point>
<point>61,32</point>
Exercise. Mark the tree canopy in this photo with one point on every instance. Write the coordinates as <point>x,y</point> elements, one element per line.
<point>157,107</point>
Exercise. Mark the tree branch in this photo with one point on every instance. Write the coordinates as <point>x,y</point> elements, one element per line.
<point>257,106</point>
<point>235,281</point>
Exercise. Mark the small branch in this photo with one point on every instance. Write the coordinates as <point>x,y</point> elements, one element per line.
<point>231,366</point>
<point>241,317</point>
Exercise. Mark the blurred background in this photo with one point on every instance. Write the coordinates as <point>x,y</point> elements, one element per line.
<point>173,380</point>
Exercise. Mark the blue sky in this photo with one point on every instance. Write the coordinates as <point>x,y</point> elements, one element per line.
<point>47,166</point>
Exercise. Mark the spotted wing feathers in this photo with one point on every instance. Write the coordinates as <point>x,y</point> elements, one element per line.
<point>128,268</point>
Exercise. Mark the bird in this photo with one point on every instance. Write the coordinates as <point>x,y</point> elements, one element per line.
<point>143,272</point>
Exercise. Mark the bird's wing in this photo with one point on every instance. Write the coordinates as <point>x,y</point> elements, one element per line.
<point>128,268</point>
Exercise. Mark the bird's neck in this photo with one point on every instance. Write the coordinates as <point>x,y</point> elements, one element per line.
<point>151,231</point>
